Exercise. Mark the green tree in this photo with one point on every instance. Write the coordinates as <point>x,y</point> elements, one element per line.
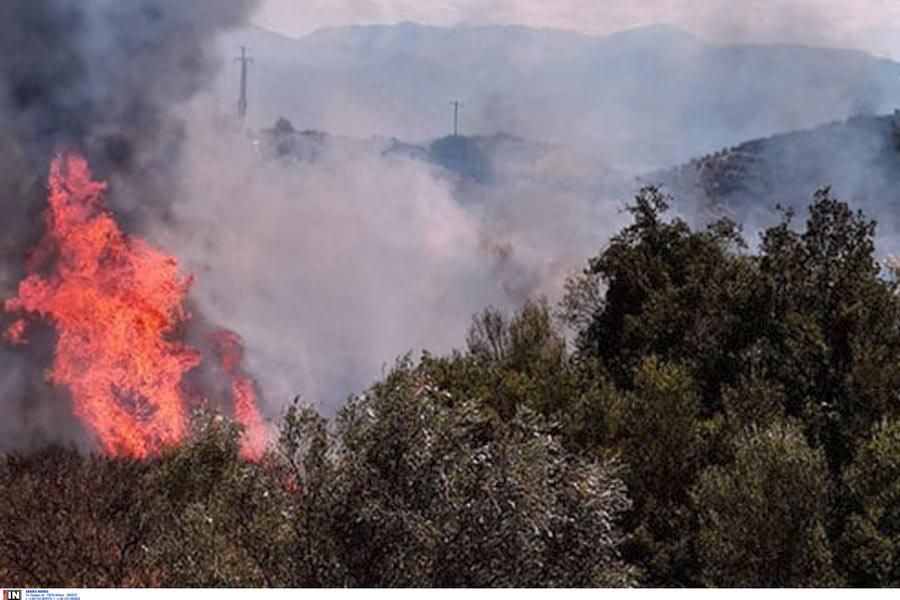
<point>871,540</point>
<point>658,431</point>
<point>223,520</point>
<point>660,289</point>
<point>762,518</point>
<point>523,361</point>
<point>832,333</point>
<point>306,453</point>
<point>437,491</point>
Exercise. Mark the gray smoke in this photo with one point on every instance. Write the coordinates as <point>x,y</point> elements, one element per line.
<point>333,266</point>
<point>102,76</point>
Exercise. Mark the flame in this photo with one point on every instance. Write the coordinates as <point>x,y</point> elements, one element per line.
<point>116,304</point>
<point>244,395</point>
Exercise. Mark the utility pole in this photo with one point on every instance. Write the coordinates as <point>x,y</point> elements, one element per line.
<point>245,60</point>
<point>456,104</point>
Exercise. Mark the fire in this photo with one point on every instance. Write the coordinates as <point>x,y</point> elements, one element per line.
<point>243,392</point>
<point>116,304</point>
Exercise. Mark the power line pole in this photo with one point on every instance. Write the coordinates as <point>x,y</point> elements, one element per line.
<point>245,60</point>
<point>456,104</point>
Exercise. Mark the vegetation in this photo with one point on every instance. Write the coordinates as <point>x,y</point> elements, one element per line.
<point>721,418</point>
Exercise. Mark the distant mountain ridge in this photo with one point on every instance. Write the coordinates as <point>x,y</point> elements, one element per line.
<point>637,100</point>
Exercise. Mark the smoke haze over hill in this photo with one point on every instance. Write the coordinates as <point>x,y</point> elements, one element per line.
<point>641,99</point>
<point>869,25</point>
<point>859,159</point>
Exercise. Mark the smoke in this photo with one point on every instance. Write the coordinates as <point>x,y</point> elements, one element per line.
<point>643,99</point>
<point>334,267</point>
<point>103,77</point>
<point>865,24</point>
<point>329,270</point>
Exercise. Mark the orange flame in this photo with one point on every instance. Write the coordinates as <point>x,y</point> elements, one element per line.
<point>115,302</point>
<point>244,394</point>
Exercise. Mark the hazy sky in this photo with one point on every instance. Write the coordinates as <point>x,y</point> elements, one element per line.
<point>872,25</point>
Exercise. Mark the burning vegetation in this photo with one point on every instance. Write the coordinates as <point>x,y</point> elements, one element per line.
<point>117,305</point>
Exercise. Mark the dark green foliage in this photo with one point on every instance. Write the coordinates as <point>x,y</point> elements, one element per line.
<point>670,292</point>
<point>804,330</point>
<point>871,541</point>
<point>832,326</point>
<point>658,430</point>
<point>753,401</point>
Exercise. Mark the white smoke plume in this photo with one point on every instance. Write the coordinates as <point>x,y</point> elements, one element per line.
<point>332,269</point>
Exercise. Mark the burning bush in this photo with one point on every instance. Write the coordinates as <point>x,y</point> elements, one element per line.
<point>116,304</point>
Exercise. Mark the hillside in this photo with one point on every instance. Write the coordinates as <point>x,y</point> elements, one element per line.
<point>504,159</point>
<point>859,158</point>
<point>472,164</point>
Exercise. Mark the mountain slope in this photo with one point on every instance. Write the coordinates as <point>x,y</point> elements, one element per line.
<point>858,158</point>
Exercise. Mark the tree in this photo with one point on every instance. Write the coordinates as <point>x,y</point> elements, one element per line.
<point>762,518</point>
<point>437,491</point>
<point>523,362</point>
<point>683,296</point>
<point>306,453</point>
<point>806,330</point>
<point>222,519</point>
<point>658,431</point>
<point>284,126</point>
<point>832,333</point>
<point>71,520</point>
<point>871,540</point>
